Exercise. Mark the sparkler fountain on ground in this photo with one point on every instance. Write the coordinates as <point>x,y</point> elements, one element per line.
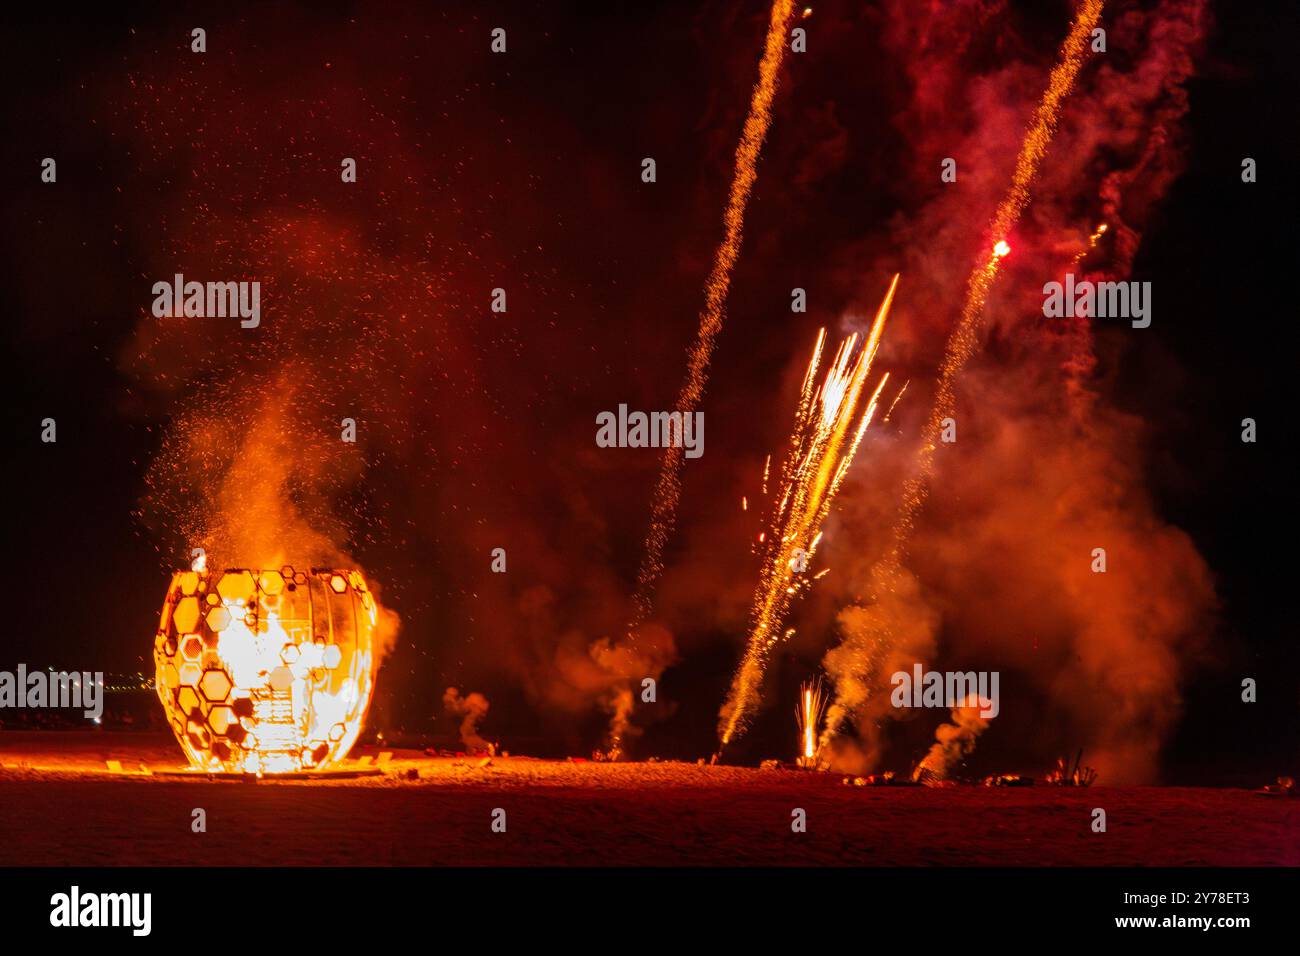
<point>853,664</point>
<point>808,714</point>
<point>829,425</point>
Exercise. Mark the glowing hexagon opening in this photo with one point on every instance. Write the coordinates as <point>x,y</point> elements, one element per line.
<point>215,685</point>
<point>186,614</point>
<point>286,675</point>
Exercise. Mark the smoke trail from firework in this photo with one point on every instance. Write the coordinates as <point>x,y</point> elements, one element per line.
<point>472,708</point>
<point>952,741</point>
<point>827,431</point>
<point>853,661</point>
<point>668,487</point>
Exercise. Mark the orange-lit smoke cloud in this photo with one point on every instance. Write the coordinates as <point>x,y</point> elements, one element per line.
<point>471,708</point>
<point>997,574</point>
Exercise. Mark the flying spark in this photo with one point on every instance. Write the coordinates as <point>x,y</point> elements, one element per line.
<point>663,513</point>
<point>668,488</point>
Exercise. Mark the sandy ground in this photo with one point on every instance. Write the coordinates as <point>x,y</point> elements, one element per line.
<point>59,805</point>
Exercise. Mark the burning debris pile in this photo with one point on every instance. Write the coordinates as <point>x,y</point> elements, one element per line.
<point>886,779</point>
<point>1008,780</point>
<point>1065,776</point>
<point>1285,787</point>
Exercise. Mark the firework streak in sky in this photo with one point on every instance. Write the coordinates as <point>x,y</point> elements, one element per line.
<point>961,346</point>
<point>828,428</point>
<point>668,487</point>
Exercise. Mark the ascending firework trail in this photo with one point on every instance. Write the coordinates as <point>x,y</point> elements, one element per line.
<point>854,659</point>
<point>667,489</point>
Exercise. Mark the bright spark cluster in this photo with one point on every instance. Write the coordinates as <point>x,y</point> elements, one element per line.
<point>829,425</point>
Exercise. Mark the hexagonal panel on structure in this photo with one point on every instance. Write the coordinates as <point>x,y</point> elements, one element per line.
<point>187,700</point>
<point>222,718</point>
<point>186,615</point>
<point>237,586</point>
<point>215,685</point>
<point>199,735</point>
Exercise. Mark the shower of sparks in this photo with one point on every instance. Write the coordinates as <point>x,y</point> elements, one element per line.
<point>965,336</point>
<point>828,428</point>
<point>808,714</point>
<point>668,488</point>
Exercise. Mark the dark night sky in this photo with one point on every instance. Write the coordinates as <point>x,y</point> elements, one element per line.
<point>522,171</point>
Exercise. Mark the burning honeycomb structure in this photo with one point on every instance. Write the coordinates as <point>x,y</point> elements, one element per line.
<point>266,671</point>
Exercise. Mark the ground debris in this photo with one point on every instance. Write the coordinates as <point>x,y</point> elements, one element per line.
<point>1285,787</point>
<point>1008,780</point>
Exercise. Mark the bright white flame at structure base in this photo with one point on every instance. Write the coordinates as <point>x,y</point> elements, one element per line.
<point>266,671</point>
